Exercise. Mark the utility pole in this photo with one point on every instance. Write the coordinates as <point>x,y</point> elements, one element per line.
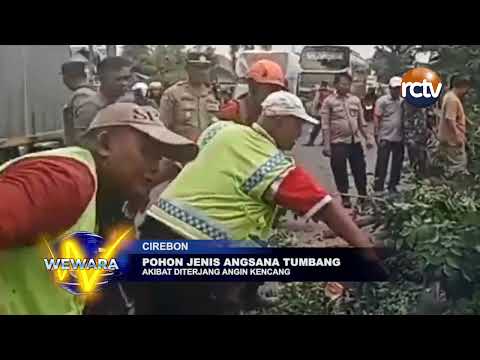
<point>26,122</point>
<point>91,58</point>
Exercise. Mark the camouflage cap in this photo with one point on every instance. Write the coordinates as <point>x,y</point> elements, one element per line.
<point>146,120</point>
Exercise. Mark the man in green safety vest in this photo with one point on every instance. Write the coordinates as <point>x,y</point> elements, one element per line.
<point>59,192</point>
<point>249,177</point>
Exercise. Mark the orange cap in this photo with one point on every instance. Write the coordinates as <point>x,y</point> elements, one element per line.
<point>267,72</point>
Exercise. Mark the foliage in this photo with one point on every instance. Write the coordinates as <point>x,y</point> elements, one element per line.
<point>393,60</point>
<point>282,238</point>
<point>166,64</point>
<point>136,53</point>
<point>473,135</point>
<point>440,223</point>
<point>435,226</point>
<point>393,298</point>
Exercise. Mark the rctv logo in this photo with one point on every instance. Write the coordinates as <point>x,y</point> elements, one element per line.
<point>421,87</point>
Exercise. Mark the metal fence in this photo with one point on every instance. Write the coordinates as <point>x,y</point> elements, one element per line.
<point>31,88</point>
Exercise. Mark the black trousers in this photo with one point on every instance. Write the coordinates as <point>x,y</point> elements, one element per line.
<point>315,131</point>
<point>385,148</point>
<point>338,162</point>
<point>417,156</point>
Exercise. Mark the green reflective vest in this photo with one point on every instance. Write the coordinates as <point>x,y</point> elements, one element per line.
<point>220,195</point>
<point>26,287</point>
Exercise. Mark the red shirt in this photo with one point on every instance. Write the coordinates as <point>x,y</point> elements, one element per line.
<point>300,192</point>
<point>230,110</point>
<point>48,195</point>
<point>42,196</point>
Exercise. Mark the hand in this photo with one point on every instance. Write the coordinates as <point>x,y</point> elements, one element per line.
<point>327,152</point>
<point>377,268</point>
<point>370,254</point>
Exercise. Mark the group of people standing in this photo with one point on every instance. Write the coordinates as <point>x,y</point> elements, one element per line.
<point>228,180</point>
<point>397,126</point>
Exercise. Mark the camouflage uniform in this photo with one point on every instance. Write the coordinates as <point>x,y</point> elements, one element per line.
<point>416,134</point>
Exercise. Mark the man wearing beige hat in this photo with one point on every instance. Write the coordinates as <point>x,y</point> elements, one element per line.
<point>343,126</point>
<point>59,192</point>
<point>249,177</point>
<point>388,124</point>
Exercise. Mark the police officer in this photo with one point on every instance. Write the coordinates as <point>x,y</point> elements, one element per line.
<point>343,122</point>
<point>75,78</point>
<point>189,107</point>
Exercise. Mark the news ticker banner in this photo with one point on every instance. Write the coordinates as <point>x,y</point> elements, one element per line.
<point>213,260</point>
<point>85,262</point>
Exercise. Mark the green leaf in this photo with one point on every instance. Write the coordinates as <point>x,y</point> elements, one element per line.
<point>447,271</point>
<point>477,248</point>
<point>452,262</point>
<point>456,251</point>
<point>399,243</point>
<point>435,261</point>
<point>410,240</point>
<point>426,233</point>
<point>466,277</point>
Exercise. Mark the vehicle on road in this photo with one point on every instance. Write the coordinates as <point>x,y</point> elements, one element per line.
<point>322,62</point>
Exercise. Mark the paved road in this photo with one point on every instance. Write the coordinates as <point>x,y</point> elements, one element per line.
<point>312,159</point>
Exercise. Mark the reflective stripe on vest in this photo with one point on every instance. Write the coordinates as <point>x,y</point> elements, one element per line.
<point>220,193</point>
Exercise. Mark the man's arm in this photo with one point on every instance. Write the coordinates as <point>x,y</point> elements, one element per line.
<point>335,216</point>
<point>377,116</point>
<point>362,126</point>
<point>84,115</point>
<point>325,115</point>
<point>315,103</point>
<point>78,100</point>
<point>298,191</point>
<point>167,109</point>
<point>42,196</point>
<point>451,113</point>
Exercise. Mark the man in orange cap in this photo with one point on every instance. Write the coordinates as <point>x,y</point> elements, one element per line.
<point>264,77</point>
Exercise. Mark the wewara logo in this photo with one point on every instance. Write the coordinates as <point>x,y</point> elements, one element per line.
<point>421,87</point>
<point>85,262</point>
